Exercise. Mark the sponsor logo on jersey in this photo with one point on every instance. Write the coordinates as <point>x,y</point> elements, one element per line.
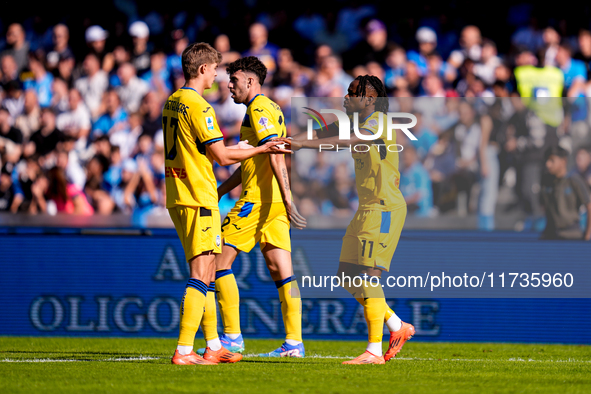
<point>258,110</point>
<point>265,123</point>
<point>170,172</point>
<point>206,109</point>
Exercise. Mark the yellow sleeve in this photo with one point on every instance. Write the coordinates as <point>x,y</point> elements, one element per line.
<point>264,121</point>
<point>372,125</point>
<point>206,126</point>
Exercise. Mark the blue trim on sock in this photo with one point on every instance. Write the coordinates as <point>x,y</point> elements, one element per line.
<point>280,283</point>
<point>222,273</point>
<point>198,285</point>
<point>211,287</point>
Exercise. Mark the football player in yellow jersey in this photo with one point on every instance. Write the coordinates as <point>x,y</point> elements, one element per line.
<point>192,140</point>
<point>373,234</point>
<point>261,215</point>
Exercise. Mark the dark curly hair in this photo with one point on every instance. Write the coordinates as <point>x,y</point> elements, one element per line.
<point>249,64</point>
<point>372,82</point>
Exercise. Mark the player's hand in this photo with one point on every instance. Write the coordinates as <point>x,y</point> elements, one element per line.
<point>244,145</point>
<point>294,145</point>
<point>275,146</point>
<point>294,216</point>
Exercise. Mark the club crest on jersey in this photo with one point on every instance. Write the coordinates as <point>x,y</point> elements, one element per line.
<point>372,123</point>
<point>209,122</point>
<point>265,123</point>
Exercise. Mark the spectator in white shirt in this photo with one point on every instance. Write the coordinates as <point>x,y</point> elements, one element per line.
<point>76,121</point>
<point>132,89</point>
<point>93,85</point>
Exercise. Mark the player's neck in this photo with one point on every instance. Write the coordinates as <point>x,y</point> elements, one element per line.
<point>253,92</point>
<point>196,83</point>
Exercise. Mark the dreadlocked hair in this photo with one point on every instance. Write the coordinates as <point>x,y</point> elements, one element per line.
<point>373,82</point>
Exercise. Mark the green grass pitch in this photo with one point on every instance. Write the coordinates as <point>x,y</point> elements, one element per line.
<point>125,365</point>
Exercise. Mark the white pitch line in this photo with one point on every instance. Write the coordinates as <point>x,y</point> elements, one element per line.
<point>448,359</point>
<point>314,356</point>
<point>48,360</point>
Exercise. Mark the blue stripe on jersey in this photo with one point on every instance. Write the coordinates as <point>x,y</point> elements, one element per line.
<point>222,273</point>
<point>246,210</point>
<point>367,117</point>
<point>211,287</point>
<point>246,121</point>
<point>213,140</point>
<point>385,227</point>
<point>250,102</point>
<point>197,285</point>
<point>282,282</point>
<point>267,138</point>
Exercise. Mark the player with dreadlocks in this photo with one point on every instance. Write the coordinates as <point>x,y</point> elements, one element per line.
<point>373,234</point>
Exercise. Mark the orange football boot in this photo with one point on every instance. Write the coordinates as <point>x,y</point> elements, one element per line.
<point>221,356</point>
<point>366,358</point>
<point>188,359</point>
<point>397,339</point>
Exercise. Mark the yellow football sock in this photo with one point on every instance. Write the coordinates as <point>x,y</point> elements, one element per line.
<point>291,307</point>
<point>228,300</point>
<point>209,323</point>
<point>191,311</point>
<point>389,313</point>
<point>355,291</point>
<point>374,308</point>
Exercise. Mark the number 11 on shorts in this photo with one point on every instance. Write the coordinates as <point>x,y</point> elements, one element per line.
<point>364,242</point>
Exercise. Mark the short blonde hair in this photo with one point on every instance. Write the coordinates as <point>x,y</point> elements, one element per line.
<point>197,54</point>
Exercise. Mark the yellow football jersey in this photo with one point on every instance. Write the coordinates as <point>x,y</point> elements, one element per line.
<point>541,90</point>
<point>189,124</point>
<point>263,121</point>
<point>376,171</point>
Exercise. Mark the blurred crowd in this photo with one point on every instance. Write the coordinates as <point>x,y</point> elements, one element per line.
<point>80,115</point>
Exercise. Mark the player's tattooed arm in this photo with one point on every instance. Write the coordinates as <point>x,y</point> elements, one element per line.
<point>281,174</point>
<point>285,178</point>
<point>229,184</point>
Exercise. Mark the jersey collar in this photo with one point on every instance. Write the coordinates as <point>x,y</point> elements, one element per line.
<point>188,88</point>
<point>250,102</point>
<point>368,116</point>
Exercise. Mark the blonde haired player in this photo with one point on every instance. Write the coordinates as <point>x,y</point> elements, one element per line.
<point>373,234</point>
<point>192,140</point>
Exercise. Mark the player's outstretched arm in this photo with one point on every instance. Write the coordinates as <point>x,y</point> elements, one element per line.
<point>229,184</point>
<point>330,143</point>
<point>224,156</point>
<point>280,172</point>
<point>330,131</point>
<point>241,145</point>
